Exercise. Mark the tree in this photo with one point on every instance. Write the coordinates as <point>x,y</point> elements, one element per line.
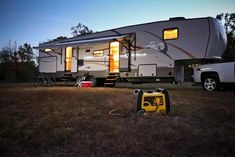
<point>57,39</point>
<point>228,22</point>
<point>80,29</point>
<point>5,56</point>
<point>25,53</point>
<point>9,54</point>
<point>60,38</point>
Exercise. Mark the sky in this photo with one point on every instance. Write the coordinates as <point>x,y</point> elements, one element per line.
<point>34,21</point>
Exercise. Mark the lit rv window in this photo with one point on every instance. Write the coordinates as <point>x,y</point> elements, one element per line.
<point>169,34</point>
<point>98,53</point>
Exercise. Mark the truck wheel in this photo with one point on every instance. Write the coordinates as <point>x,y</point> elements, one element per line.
<point>210,83</point>
<point>92,79</point>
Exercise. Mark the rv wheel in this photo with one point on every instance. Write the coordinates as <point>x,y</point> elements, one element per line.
<point>92,79</point>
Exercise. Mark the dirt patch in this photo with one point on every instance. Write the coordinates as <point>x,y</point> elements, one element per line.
<point>69,121</point>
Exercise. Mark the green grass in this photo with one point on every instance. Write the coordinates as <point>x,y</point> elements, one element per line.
<point>69,121</point>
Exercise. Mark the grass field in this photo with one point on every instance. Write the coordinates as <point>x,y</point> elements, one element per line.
<point>69,121</point>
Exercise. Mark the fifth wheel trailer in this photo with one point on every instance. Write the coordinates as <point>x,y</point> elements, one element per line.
<point>153,51</point>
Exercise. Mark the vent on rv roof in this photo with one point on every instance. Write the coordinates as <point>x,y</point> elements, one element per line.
<point>176,18</point>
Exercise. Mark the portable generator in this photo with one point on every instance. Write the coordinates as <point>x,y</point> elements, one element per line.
<point>152,101</point>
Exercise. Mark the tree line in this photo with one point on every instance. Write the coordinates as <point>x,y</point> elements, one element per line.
<point>12,54</point>
<point>17,64</point>
<point>228,22</point>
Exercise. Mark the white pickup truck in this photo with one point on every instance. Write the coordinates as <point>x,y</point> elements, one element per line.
<point>213,76</point>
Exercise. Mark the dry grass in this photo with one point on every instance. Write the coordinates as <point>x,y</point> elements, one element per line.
<point>68,121</point>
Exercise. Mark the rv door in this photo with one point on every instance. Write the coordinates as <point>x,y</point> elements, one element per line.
<point>125,57</point>
<point>74,67</point>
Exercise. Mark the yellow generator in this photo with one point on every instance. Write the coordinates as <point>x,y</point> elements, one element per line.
<point>152,101</point>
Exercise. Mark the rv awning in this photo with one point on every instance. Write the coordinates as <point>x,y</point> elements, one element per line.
<point>82,42</point>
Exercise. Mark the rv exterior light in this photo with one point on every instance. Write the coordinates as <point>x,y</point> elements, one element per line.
<point>47,50</point>
<point>98,53</point>
<point>203,69</point>
<point>139,55</point>
<point>88,57</point>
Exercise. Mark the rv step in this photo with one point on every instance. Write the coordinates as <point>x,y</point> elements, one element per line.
<point>67,76</point>
<point>109,84</point>
<point>111,79</point>
<point>64,79</point>
<point>113,74</point>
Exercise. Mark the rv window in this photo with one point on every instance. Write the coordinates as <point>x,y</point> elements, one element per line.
<point>98,53</point>
<point>171,33</point>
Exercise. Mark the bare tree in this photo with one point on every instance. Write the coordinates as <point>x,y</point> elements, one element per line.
<point>80,29</point>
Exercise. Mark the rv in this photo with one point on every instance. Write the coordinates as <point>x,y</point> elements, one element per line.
<point>149,52</point>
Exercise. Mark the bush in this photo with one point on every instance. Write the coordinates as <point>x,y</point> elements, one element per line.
<point>19,72</point>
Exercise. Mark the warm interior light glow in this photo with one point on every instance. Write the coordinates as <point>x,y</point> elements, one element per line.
<point>98,53</point>
<point>47,50</point>
<point>114,44</point>
<point>170,34</point>
<point>114,57</point>
<point>68,58</point>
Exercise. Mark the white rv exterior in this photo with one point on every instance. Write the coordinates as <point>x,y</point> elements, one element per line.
<point>138,52</point>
